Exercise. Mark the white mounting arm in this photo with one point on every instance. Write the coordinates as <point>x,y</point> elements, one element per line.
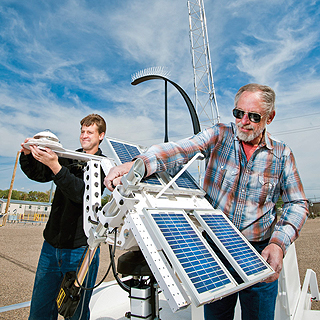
<point>167,186</point>
<point>112,215</point>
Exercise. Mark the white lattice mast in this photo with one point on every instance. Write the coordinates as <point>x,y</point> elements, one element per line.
<point>205,98</point>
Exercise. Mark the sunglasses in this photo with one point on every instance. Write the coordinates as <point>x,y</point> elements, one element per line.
<point>253,117</point>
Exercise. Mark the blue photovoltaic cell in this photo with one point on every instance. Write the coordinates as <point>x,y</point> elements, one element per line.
<point>200,266</point>
<point>126,153</point>
<point>186,181</point>
<point>237,247</point>
<point>151,180</point>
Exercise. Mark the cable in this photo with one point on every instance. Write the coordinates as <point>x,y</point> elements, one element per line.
<point>96,285</point>
<point>296,117</point>
<point>84,295</point>
<point>115,274</point>
<point>296,130</point>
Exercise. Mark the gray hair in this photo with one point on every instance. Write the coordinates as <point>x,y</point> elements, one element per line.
<point>267,95</point>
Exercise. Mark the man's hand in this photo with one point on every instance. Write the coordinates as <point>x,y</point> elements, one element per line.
<point>23,149</point>
<point>273,254</point>
<point>47,157</point>
<point>115,174</point>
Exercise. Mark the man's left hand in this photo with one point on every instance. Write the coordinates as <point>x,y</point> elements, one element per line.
<point>273,254</point>
<point>47,157</point>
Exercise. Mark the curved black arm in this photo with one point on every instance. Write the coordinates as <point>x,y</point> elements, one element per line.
<point>192,111</point>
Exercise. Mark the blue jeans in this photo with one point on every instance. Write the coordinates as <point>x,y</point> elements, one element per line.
<point>52,266</point>
<point>257,302</point>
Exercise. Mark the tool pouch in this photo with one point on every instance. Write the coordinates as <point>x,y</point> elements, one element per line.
<point>69,295</point>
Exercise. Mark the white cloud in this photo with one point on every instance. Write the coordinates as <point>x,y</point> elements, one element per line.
<point>265,61</point>
<point>64,59</point>
<point>144,31</point>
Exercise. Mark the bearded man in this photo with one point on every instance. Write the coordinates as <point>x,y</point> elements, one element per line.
<point>247,171</point>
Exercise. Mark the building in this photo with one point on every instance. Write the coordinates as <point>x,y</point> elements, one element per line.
<point>20,210</point>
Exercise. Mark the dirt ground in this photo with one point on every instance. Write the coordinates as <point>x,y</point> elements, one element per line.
<point>20,246</point>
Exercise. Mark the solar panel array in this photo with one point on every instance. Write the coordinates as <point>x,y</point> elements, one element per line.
<point>196,260</point>
<point>238,248</point>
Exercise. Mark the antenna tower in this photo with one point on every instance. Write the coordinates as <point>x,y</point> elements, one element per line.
<point>205,98</point>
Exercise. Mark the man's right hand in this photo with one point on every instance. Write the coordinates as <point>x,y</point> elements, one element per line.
<point>115,174</point>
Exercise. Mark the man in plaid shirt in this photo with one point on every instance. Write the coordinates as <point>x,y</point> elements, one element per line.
<point>247,171</point>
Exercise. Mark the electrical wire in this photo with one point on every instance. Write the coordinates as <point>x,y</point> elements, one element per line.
<point>297,130</point>
<point>96,285</point>
<point>84,295</point>
<point>115,274</point>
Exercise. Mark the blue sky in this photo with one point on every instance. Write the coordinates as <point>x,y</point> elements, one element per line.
<point>61,60</point>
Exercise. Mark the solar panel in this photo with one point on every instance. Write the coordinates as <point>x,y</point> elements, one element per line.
<point>193,259</point>
<point>126,152</point>
<point>187,181</point>
<point>248,263</point>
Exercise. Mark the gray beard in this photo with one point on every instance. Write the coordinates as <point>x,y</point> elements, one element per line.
<point>248,137</point>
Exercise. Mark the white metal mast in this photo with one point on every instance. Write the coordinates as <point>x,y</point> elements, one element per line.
<point>205,98</point>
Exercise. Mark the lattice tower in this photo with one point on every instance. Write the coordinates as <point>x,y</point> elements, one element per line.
<point>205,99</point>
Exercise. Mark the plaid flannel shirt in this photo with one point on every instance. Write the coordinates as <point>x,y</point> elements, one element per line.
<point>246,191</point>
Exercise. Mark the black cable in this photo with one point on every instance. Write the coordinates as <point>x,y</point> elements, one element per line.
<point>83,298</point>
<point>115,274</point>
<point>96,285</point>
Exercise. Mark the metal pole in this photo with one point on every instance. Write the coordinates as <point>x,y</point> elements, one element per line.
<point>166,139</point>
<point>51,192</point>
<point>85,266</point>
<point>10,191</point>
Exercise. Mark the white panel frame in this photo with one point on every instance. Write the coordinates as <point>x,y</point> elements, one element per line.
<point>163,273</point>
<point>198,299</point>
<point>253,278</point>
